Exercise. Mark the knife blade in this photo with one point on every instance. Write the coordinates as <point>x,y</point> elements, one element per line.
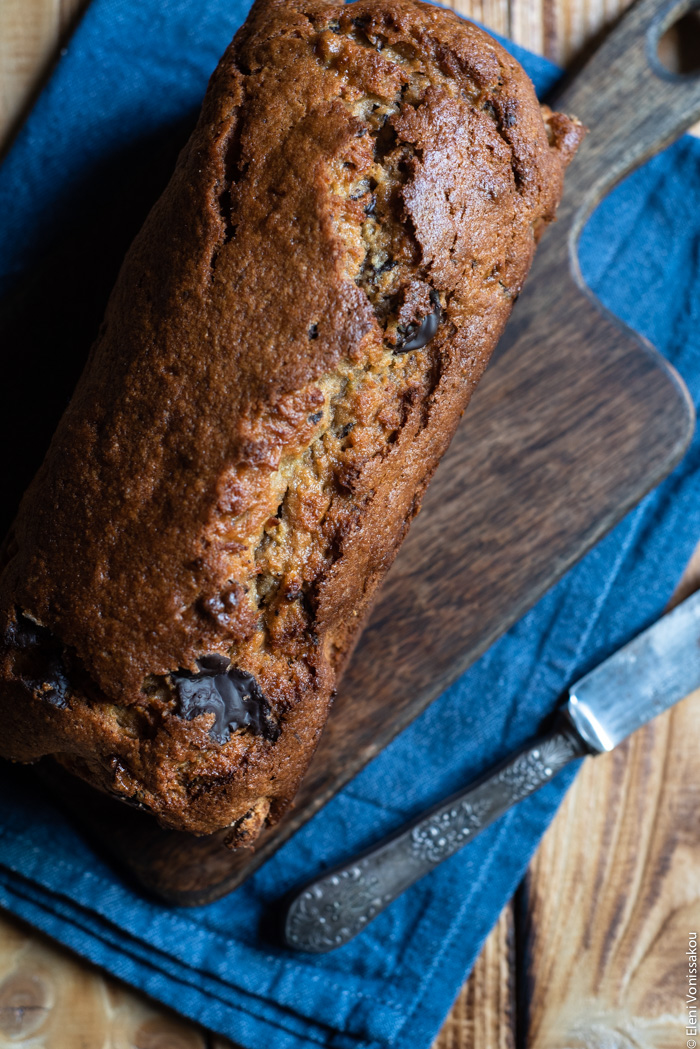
<point>654,671</point>
<point>647,676</point>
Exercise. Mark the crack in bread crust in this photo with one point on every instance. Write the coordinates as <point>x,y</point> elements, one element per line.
<point>253,433</point>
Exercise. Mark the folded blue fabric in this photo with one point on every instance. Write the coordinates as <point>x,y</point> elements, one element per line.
<point>132,72</point>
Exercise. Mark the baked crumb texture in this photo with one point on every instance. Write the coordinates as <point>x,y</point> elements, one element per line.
<point>264,404</point>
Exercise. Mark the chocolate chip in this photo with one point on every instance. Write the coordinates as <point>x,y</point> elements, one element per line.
<point>316,417</point>
<point>417,336</point>
<point>23,633</point>
<point>40,661</point>
<point>233,696</point>
<point>370,208</point>
<point>215,662</point>
<point>313,331</point>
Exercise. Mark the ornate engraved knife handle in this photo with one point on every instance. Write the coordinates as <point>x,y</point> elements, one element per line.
<point>334,908</point>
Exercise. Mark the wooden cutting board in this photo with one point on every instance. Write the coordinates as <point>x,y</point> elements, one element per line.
<point>576,419</point>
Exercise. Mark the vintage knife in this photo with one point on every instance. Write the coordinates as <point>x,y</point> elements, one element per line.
<point>654,671</point>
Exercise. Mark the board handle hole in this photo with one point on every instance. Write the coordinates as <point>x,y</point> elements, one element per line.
<point>678,46</point>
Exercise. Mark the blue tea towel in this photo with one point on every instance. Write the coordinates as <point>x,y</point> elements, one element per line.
<point>73,189</point>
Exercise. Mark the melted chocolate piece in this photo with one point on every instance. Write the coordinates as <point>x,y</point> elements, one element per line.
<point>418,336</point>
<point>39,661</point>
<point>232,695</point>
<point>216,663</point>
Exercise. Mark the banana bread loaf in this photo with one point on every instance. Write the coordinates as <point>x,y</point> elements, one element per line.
<point>288,349</point>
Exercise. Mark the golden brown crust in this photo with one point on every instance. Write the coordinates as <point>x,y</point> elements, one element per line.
<point>248,442</point>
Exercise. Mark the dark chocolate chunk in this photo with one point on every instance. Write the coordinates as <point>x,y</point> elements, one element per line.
<point>389,264</point>
<point>215,662</point>
<point>40,662</point>
<point>24,633</point>
<point>233,696</point>
<point>316,417</point>
<point>313,331</point>
<point>417,336</point>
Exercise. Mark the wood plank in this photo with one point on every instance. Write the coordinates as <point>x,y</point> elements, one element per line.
<point>51,1000</point>
<point>27,35</point>
<point>557,1006</point>
<point>27,43</point>
<point>31,32</point>
<point>613,894</point>
<point>558,30</point>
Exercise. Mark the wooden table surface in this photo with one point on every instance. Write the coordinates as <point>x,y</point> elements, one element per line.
<point>591,953</point>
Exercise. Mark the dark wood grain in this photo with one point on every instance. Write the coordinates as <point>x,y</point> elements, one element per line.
<point>575,420</point>
<point>607,911</point>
